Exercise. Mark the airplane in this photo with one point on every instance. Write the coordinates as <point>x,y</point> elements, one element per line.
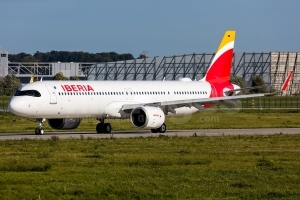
<point>147,103</point>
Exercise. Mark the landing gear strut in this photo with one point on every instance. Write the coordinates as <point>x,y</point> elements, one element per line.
<point>40,130</point>
<point>103,127</point>
<point>161,129</point>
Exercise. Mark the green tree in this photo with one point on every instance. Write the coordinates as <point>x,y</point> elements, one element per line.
<point>74,78</point>
<point>259,82</point>
<point>28,59</point>
<point>237,80</point>
<point>60,76</point>
<point>11,84</point>
<point>69,56</point>
<point>2,86</point>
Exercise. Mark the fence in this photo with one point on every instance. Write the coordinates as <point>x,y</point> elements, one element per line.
<point>4,104</point>
<point>272,102</point>
<point>255,103</point>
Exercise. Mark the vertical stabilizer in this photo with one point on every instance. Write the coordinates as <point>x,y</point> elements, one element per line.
<point>220,67</point>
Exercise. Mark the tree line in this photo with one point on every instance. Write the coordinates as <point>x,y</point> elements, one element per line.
<point>68,56</point>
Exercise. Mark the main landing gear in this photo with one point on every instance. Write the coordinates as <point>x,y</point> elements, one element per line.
<point>106,128</point>
<point>40,130</point>
<point>103,127</point>
<point>161,129</point>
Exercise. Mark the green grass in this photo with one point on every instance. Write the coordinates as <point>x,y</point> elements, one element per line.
<point>264,102</point>
<point>199,167</point>
<point>218,119</point>
<point>4,102</point>
<point>272,102</point>
<point>224,117</point>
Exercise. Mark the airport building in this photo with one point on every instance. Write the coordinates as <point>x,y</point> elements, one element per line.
<point>273,67</point>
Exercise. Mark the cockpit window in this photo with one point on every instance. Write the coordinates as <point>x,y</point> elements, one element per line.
<point>32,93</point>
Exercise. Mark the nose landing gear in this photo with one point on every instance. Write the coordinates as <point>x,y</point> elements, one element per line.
<point>40,130</point>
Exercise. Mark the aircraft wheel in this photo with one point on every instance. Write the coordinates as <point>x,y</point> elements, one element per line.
<point>41,131</point>
<point>107,128</point>
<point>163,128</point>
<point>154,130</point>
<point>99,128</point>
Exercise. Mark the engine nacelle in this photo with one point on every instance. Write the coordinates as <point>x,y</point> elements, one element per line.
<point>64,123</point>
<point>147,117</point>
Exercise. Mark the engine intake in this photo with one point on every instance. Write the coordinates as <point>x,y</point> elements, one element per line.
<point>147,117</point>
<point>64,123</point>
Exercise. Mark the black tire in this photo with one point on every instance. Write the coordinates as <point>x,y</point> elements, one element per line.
<point>41,131</point>
<point>107,128</point>
<point>99,128</point>
<point>163,128</point>
<point>155,130</point>
<point>37,131</point>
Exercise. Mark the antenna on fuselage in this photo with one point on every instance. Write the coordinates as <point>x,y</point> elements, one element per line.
<point>164,79</point>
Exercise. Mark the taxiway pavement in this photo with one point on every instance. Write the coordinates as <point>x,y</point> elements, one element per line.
<point>147,133</point>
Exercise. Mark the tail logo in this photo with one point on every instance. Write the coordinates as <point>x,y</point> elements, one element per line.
<point>219,69</point>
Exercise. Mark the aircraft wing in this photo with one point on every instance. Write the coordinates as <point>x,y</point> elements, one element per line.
<point>198,103</point>
<point>190,102</point>
<point>283,87</point>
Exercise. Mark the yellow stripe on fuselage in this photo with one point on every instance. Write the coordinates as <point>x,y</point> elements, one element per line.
<point>229,36</point>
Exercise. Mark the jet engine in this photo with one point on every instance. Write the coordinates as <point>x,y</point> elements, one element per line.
<point>147,117</point>
<point>67,123</point>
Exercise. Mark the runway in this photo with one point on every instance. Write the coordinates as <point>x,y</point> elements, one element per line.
<point>147,133</point>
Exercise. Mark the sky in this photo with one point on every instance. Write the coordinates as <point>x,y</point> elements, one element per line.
<point>160,27</point>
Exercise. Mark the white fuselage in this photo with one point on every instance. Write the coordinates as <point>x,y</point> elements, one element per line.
<point>69,99</point>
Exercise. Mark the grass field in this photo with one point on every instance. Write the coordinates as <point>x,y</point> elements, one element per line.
<point>199,167</point>
<point>265,118</point>
<point>264,102</point>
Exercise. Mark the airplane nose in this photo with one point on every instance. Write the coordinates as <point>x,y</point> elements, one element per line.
<point>15,106</point>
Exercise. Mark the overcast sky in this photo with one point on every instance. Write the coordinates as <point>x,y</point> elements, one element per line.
<point>161,27</point>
